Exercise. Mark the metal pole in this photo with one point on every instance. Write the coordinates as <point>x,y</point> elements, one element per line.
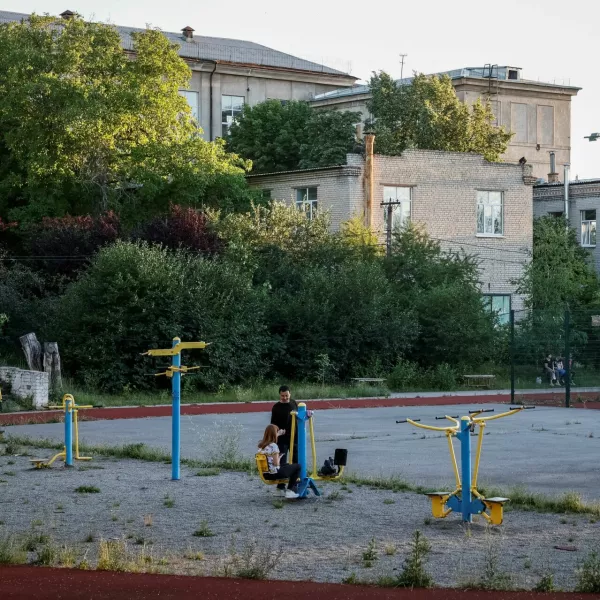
<point>389,230</point>
<point>68,433</point>
<point>512,356</point>
<point>568,358</point>
<point>465,459</point>
<point>176,416</point>
<point>301,427</point>
<point>566,185</point>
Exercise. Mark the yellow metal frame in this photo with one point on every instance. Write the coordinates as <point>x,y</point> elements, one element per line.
<point>439,499</point>
<point>176,349</point>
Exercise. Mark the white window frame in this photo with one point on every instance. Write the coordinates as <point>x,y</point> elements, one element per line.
<point>305,203</point>
<point>503,317</point>
<point>228,120</point>
<point>588,229</point>
<point>489,204</point>
<point>194,104</point>
<point>400,197</point>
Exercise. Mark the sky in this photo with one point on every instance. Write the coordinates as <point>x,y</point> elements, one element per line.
<point>551,40</point>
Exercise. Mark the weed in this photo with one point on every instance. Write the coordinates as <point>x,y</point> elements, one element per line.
<point>33,540</point>
<point>12,552</point>
<point>278,503</point>
<point>47,556</point>
<point>389,501</point>
<point>413,573</point>
<point>169,502</point>
<point>335,495</point>
<point>67,557</point>
<point>563,521</point>
<point>545,584</point>
<point>9,473</point>
<point>492,578</point>
<point>89,538</point>
<point>112,556</point>
<point>148,521</point>
<point>427,521</point>
<point>114,518</point>
<point>204,530</point>
<point>527,564</point>
<point>390,550</point>
<point>208,472</point>
<point>193,555</point>
<point>116,505</point>
<point>588,575</point>
<point>11,447</point>
<point>37,523</point>
<point>352,579</point>
<point>87,489</point>
<point>59,507</point>
<point>254,561</point>
<point>10,462</point>
<point>370,554</point>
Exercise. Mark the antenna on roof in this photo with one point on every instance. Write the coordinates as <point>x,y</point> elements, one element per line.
<point>402,57</point>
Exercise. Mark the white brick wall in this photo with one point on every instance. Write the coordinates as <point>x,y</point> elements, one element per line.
<point>444,199</point>
<point>26,384</point>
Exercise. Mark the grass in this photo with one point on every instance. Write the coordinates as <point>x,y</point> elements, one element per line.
<point>278,503</point>
<point>203,530</point>
<point>588,575</point>
<point>12,551</point>
<point>87,489</point>
<point>169,502</point>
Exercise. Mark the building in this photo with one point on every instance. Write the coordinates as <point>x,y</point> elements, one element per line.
<point>584,207</point>
<point>227,73</point>
<point>538,113</point>
<point>462,200</point>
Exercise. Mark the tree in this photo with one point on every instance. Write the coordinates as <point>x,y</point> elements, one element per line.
<point>84,128</point>
<point>427,114</point>
<point>281,137</point>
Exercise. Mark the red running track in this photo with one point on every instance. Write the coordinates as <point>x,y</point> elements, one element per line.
<point>140,412</point>
<point>39,583</point>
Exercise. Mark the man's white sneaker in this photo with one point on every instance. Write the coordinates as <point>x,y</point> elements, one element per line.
<point>290,495</point>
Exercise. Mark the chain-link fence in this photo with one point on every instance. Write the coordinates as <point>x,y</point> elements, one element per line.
<point>552,349</point>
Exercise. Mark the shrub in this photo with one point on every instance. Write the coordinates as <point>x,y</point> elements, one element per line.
<point>405,375</point>
<point>441,377</point>
<point>414,573</point>
<point>588,575</point>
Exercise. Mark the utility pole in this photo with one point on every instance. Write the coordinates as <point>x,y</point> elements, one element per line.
<point>402,57</point>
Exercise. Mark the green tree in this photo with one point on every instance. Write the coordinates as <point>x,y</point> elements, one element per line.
<point>84,128</point>
<point>427,114</point>
<point>280,137</point>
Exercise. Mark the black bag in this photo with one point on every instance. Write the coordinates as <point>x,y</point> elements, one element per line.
<point>328,468</point>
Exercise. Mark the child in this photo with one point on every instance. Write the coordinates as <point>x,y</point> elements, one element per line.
<point>291,471</point>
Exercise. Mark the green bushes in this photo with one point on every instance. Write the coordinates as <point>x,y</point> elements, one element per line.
<point>409,376</point>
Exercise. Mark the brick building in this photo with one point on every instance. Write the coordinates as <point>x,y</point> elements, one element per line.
<point>228,73</point>
<point>584,207</point>
<point>462,200</point>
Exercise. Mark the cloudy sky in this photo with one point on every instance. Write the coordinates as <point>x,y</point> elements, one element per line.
<point>551,40</point>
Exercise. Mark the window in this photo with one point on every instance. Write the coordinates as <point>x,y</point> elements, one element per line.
<point>399,198</point>
<point>231,107</point>
<point>513,74</point>
<point>557,215</point>
<point>519,122</point>
<point>192,100</point>
<point>546,124</point>
<point>588,227</point>
<point>490,217</point>
<point>306,201</point>
<point>498,304</point>
<point>266,194</point>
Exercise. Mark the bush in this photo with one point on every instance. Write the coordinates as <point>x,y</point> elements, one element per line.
<point>588,575</point>
<point>135,297</point>
<point>405,375</point>
<point>441,377</point>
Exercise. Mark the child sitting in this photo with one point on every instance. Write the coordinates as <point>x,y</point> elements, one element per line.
<point>268,446</point>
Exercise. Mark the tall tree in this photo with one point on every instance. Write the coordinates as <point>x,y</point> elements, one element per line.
<point>427,114</point>
<point>79,118</point>
<point>280,136</point>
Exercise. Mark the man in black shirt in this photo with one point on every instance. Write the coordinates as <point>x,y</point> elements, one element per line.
<point>281,415</point>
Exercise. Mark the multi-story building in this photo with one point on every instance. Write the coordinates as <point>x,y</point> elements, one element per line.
<point>463,201</point>
<point>583,208</point>
<point>227,73</point>
<point>539,114</point>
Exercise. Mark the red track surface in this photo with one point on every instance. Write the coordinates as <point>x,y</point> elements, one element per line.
<point>140,412</point>
<point>66,584</point>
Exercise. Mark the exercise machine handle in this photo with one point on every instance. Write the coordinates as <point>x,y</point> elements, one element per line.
<point>444,417</point>
<point>481,410</point>
<point>522,407</point>
<point>406,420</point>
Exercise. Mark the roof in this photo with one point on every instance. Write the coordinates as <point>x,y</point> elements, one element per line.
<point>495,73</point>
<point>217,49</point>
<point>573,182</point>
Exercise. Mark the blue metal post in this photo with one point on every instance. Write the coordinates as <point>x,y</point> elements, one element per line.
<point>301,430</point>
<point>465,459</point>
<point>176,416</point>
<point>68,432</point>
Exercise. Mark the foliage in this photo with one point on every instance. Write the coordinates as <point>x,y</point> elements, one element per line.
<point>427,114</point>
<point>183,227</point>
<point>588,575</point>
<point>135,296</point>
<point>443,290</point>
<point>414,574</point>
<point>282,137</point>
<point>84,128</point>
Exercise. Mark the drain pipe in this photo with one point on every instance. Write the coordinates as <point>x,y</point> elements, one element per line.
<point>566,182</point>
<point>210,108</point>
<point>368,179</point>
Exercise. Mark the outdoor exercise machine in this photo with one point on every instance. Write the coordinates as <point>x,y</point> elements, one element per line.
<point>174,372</point>
<point>71,423</point>
<point>300,419</point>
<point>465,498</point>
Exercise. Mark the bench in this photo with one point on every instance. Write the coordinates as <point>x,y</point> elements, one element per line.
<point>369,379</point>
<point>480,381</point>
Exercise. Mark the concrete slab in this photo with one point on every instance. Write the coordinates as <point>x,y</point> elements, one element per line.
<point>549,450</point>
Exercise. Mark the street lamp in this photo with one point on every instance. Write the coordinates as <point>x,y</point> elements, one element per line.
<point>592,137</point>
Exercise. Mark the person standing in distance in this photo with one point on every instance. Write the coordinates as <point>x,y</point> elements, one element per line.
<point>281,415</point>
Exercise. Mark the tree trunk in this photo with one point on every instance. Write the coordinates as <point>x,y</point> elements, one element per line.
<point>33,351</point>
<point>52,366</point>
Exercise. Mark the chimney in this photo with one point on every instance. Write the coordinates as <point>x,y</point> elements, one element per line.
<point>368,179</point>
<point>188,34</point>
<point>359,131</point>
<point>67,14</point>
<point>553,175</point>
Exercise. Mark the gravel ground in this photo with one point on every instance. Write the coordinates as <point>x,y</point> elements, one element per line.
<point>320,539</point>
